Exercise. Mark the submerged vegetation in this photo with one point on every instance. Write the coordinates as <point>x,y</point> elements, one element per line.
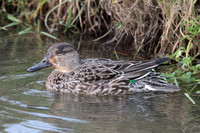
<point>157,26</point>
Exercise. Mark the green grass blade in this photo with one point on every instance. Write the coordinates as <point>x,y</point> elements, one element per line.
<point>28,30</point>
<point>12,18</point>
<point>69,20</point>
<point>188,96</point>
<point>38,26</point>
<point>47,34</point>
<point>193,88</point>
<point>116,55</point>
<point>175,81</point>
<point>9,25</point>
<point>198,92</point>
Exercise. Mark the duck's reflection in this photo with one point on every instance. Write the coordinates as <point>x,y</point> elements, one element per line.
<point>140,112</point>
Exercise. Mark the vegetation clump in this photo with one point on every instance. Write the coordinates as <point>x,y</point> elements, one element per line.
<point>156,25</point>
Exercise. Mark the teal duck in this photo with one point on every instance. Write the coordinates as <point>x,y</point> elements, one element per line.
<point>99,76</point>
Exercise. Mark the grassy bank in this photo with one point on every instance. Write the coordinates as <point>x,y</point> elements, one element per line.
<point>158,26</point>
<point>155,25</point>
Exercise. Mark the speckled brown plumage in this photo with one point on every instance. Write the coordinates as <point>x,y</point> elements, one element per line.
<point>100,76</point>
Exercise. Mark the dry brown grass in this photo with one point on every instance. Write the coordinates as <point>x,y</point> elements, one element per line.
<point>154,25</point>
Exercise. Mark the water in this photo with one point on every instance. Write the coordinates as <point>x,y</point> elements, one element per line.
<point>26,106</point>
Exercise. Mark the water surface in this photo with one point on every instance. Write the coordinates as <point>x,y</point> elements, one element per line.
<point>26,106</point>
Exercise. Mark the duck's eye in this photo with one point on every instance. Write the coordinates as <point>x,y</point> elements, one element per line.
<point>59,51</point>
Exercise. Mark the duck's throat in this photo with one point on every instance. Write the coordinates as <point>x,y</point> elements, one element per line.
<point>56,80</point>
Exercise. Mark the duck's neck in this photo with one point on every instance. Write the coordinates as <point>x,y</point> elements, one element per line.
<point>68,68</point>
<point>72,63</point>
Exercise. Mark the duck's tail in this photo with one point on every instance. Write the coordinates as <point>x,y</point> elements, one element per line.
<point>154,83</point>
<point>161,60</point>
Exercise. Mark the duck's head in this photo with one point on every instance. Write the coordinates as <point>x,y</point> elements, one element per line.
<point>62,56</point>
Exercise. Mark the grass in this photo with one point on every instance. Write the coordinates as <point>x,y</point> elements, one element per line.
<point>189,67</point>
<point>155,25</point>
<point>28,30</point>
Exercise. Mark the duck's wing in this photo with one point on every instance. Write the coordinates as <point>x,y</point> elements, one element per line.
<point>105,69</point>
<point>137,70</point>
<point>97,70</point>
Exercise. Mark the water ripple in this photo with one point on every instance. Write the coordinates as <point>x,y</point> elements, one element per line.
<point>13,102</point>
<point>21,76</point>
<point>41,115</point>
<point>33,126</point>
<point>34,92</point>
<point>5,99</point>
